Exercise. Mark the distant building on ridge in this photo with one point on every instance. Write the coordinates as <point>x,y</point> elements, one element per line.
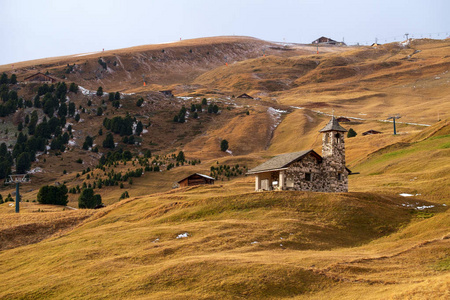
<point>39,78</point>
<point>327,41</point>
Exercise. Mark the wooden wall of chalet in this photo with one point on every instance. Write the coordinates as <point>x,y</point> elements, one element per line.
<point>195,180</point>
<point>39,78</point>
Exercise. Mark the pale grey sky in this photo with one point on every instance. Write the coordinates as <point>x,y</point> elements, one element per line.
<point>32,29</point>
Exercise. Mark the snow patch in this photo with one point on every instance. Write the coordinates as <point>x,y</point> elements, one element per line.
<point>405,43</point>
<point>186,98</point>
<point>406,195</point>
<point>144,131</point>
<point>182,235</point>
<point>86,92</point>
<point>424,207</point>
<point>255,242</point>
<point>275,114</point>
<point>229,152</point>
<point>84,54</point>
<point>35,170</point>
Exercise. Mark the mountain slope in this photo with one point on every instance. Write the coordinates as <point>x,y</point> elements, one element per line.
<point>163,245</point>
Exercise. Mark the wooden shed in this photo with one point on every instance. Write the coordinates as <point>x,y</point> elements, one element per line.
<point>39,78</point>
<point>371,131</point>
<point>343,120</point>
<point>167,93</point>
<point>245,96</point>
<point>196,179</point>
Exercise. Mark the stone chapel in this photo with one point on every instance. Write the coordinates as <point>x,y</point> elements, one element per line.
<point>307,170</point>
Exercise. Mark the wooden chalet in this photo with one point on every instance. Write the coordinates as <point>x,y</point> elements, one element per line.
<point>167,93</point>
<point>343,120</point>
<point>196,179</point>
<point>245,96</point>
<point>39,78</point>
<point>371,131</point>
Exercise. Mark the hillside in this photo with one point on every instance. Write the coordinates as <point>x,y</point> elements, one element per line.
<point>199,243</point>
<point>387,238</point>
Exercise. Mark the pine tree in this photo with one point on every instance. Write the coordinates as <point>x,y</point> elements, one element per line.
<point>13,79</point>
<point>139,128</point>
<point>73,88</point>
<point>23,163</point>
<point>88,199</point>
<point>4,79</point>
<point>109,141</point>
<point>180,157</point>
<point>100,91</point>
<point>351,133</point>
<point>71,108</point>
<point>224,145</point>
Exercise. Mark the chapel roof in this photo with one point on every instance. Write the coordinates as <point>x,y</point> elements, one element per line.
<point>333,125</point>
<point>282,161</point>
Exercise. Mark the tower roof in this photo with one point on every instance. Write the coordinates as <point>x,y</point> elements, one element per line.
<point>333,125</point>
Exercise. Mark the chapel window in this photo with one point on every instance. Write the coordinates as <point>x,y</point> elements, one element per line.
<point>307,176</point>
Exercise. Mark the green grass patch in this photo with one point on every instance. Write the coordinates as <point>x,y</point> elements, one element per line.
<point>443,265</point>
<point>445,145</point>
<point>398,153</point>
<point>424,214</point>
<point>439,137</point>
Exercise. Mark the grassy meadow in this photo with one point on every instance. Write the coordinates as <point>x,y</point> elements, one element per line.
<point>226,241</point>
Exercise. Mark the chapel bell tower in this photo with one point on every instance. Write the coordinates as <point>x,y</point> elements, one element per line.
<point>333,154</point>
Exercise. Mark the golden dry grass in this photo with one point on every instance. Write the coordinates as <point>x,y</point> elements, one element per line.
<point>370,243</point>
<point>133,250</point>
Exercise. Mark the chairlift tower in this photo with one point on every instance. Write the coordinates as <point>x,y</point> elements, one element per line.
<point>17,179</point>
<point>397,116</point>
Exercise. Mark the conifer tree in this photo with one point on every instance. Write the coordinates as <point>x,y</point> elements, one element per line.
<point>100,91</point>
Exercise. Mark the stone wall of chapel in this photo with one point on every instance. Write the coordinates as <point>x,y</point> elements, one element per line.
<point>296,172</point>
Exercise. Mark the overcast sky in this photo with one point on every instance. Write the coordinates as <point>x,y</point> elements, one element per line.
<point>32,29</point>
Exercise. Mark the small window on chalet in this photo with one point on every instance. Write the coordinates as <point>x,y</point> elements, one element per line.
<point>307,176</point>
<point>339,177</point>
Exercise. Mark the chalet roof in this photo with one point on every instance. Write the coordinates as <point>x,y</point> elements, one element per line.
<point>333,125</point>
<point>371,131</point>
<point>245,96</point>
<point>343,119</point>
<point>39,73</point>
<point>205,176</point>
<point>282,161</point>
